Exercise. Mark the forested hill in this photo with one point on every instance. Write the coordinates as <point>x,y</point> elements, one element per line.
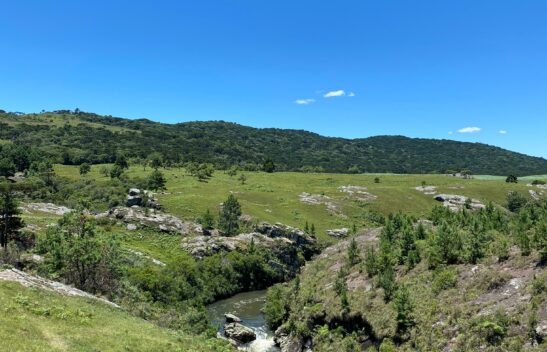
<point>74,137</point>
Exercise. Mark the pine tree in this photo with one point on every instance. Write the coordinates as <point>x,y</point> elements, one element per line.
<point>312,229</point>
<point>353,253</point>
<point>229,216</point>
<point>371,261</point>
<point>405,310</point>
<point>10,221</point>
<point>306,228</point>
<point>207,220</point>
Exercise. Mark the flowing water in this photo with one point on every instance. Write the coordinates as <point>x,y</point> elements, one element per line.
<point>247,306</point>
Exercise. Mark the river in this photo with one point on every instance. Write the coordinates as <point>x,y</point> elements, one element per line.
<point>247,306</point>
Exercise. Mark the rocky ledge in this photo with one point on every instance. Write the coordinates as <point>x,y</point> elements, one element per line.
<point>277,236</point>
<point>457,202</point>
<point>136,217</point>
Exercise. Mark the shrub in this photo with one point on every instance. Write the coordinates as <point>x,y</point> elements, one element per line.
<point>511,179</point>
<point>444,279</point>
<point>515,201</point>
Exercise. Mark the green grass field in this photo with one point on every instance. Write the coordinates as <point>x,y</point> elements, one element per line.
<point>274,197</point>
<point>36,320</point>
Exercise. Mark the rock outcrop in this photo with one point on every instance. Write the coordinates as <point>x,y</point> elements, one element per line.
<point>426,189</point>
<point>457,202</point>
<point>48,208</point>
<point>139,198</point>
<point>28,280</point>
<point>239,332</point>
<point>357,192</point>
<point>338,233</point>
<point>153,219</point>
<point>230,318</point>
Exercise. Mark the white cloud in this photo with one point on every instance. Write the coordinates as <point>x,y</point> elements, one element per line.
<point>304,101</point>
<point>502,132</point>
<point>450,132</point>
<point>469,130</point>
<point>351,94</point>
<point>334,93</point>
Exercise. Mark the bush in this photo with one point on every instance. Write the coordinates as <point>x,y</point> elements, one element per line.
<point>515,201</point>
<point>444,279</point>
<point>511,179</point>
<point>276,308</point>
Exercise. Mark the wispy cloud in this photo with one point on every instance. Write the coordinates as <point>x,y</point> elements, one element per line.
<point>351,94</point>
<point>469,130</point>
<point>450,132</point>
<point>502,132</point>
<point>304,101</point>
<point>334,93</point>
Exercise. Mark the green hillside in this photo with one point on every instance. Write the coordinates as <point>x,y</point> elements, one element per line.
<point>37,320</point>
<point>77,137</point>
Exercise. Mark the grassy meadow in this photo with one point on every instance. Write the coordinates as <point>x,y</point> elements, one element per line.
<point>275,197</point>
<point>36,320</point>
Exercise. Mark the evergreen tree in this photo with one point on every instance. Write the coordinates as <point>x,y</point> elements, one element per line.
<point>405,310</point>
<point>371,261</point>
<point>10,221</point>
<point>353,253</point>
<point>208,220</point>
<point>312,229</point>
<point>229,216</point>
<point>306,228</point>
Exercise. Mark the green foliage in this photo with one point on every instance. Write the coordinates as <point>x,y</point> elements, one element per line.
<point>73,251</point>
<point>84,169</point>
<point>353,253</point>
<point>10,220</point>
<point>443,279</point>
<point>511,179</point>
<point>155,160</point>
<point>515,201</point>
<point>377,180</point>
<point>242,178</point>
<point>207,221</point>
<point>121,162</point>
<point>371,261</point>
<point>116,171</point>
<point>405,310</point>
<point>202,171</point>
<point>276,308</point>
<point>229,216</point>
<point>156,181</point>
<point>269,165</point>
<point>99,139</point>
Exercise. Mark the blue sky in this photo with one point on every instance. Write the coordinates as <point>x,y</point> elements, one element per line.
<point>414,68</point>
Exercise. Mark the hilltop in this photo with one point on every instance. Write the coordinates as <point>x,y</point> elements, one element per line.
<point>78,137</point>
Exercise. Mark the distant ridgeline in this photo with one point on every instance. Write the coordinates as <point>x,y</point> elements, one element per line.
<point>75,137</point>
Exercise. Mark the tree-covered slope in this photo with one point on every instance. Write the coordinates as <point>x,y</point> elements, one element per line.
<point>74,138</point>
